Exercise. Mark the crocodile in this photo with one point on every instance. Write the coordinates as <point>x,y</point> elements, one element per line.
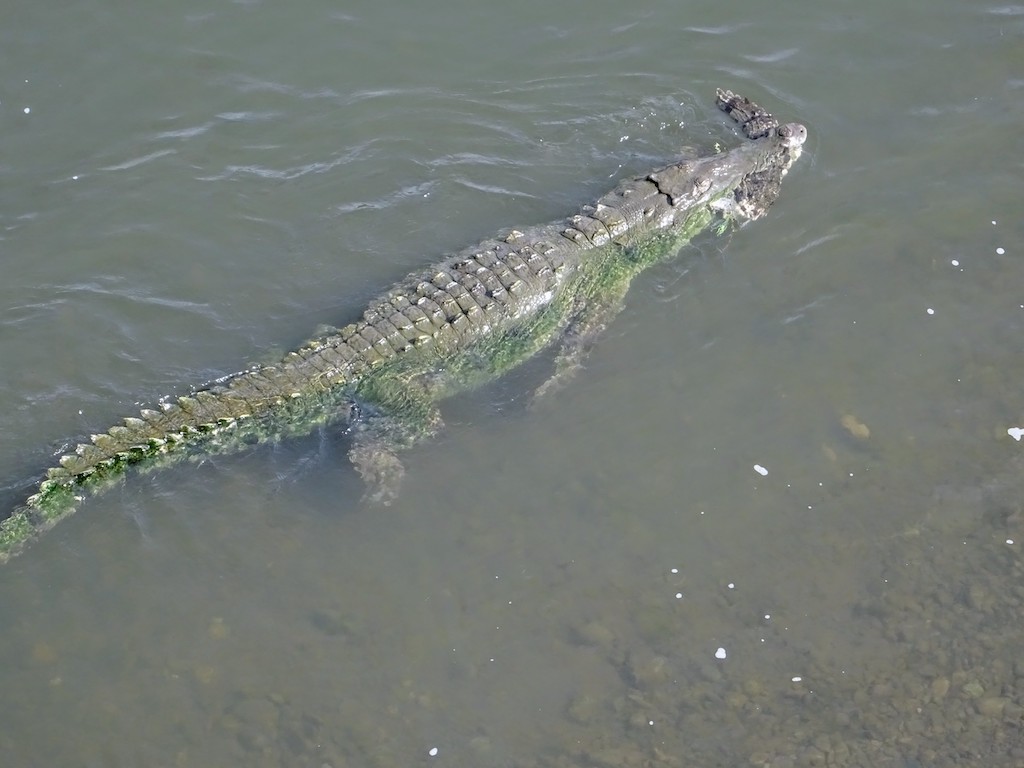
<point>459,323</point>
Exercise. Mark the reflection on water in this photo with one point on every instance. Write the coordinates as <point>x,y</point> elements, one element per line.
<point>606,580</point>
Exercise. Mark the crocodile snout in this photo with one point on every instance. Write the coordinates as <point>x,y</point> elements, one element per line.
<point>794,134</point>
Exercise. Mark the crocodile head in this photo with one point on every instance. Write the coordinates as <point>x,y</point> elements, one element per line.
<point>740,183</point>
<point>760,187</point>
<point>794,135</point>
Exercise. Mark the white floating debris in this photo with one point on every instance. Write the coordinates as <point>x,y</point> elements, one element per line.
<point>720,653</point>
<point>27,110</point>
<point>797,679</point>
<point>931,311</point>
<point>1016,433</point>
<point>760,470</point>
<point>432,751</point>
<point>674,570</point>
<point>1000,251</point>
<point>679,595</point>
<point>1009,541</point>
<point>731,585</point>
<point>955,262</point>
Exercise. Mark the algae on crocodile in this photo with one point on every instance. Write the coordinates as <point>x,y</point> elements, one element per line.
<point>452,326</point>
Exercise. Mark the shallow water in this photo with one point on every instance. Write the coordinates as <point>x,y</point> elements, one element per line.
<point>188,190</point>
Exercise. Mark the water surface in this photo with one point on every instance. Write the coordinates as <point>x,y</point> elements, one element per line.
<point>190,189</point>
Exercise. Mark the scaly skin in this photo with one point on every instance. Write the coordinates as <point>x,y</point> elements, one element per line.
<point>455,325</point>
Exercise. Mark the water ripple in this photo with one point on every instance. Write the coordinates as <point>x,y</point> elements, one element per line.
<point>771,58</point>
<point>1007,10</point>
<point>247,116</point>
<point>494,189</point>
<point>294,172</point>
<point>816,242</point>
<point>133,295</point>
<point>724,29</point>
<point>388,201</point>
<point>139,160</point>
<point>185,133</point>
<point>247,84</point>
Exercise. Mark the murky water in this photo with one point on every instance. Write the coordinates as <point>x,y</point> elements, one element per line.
<point>188,190</point>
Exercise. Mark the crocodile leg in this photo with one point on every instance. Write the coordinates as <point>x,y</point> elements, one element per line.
<point>602,296</point>
<point>377,463</point>
<point>388,418</point>
<point>588,323</point>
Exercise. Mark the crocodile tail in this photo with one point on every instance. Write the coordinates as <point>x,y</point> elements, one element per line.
<point>220,418</point>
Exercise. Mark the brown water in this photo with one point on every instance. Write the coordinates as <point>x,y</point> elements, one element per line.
<point>190,189</point>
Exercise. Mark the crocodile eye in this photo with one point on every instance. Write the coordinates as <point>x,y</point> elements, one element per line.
<point>793,132</point>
